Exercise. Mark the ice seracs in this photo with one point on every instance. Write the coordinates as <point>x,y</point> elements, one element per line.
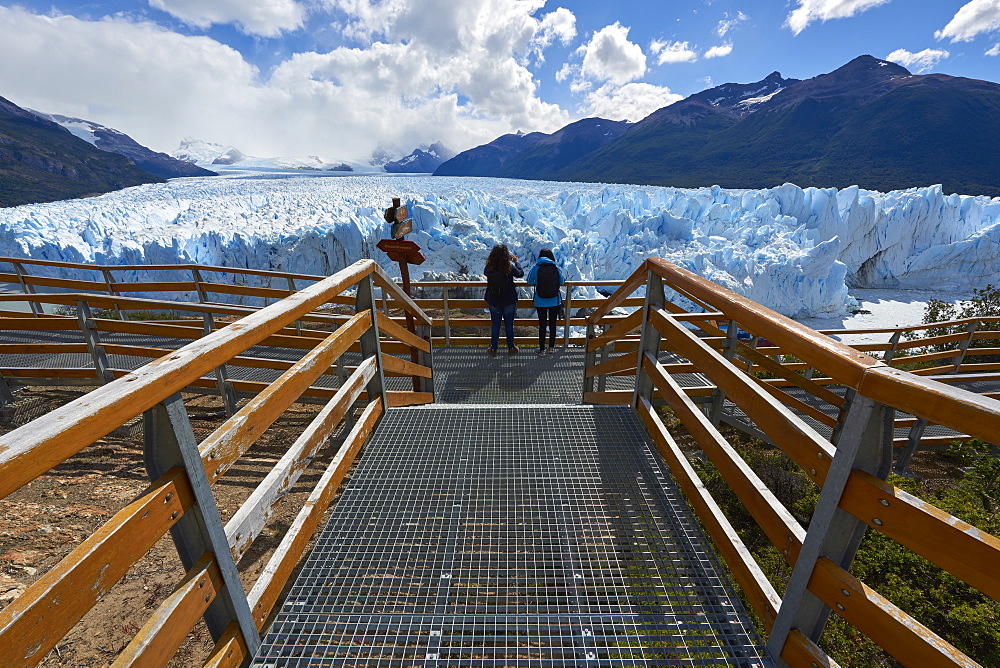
<point>796,250</point>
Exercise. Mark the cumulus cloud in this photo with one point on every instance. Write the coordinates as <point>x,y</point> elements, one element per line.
<point>994,50</point>
<point>558,25</point>
<point>267,18</point>
<point>729,23</point>
<point>824,10</point>
<point>610,56</point>
<point>673,52</point>
<point>464,83</point>
<point>719,51</point>
<point>918,62</point>
<point>632,102</point>
<point>974,18</point>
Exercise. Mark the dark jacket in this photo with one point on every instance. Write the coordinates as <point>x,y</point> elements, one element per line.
<point>516,272</point>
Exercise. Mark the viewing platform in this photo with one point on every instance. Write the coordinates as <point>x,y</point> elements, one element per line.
<point>463,509</point>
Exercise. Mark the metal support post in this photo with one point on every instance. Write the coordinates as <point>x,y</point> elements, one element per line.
<point>226,392</point>
<point>196,275</point>
<point>569,314</point>
<point>370,346</point>
<point>109,281</point>
<point>589,359</point>
<point>602,380</point>
<point>894,345</point>
<point>906,452</point>
<point>718,396</point>
<point>833,533</point>
<point>426,359</point>
<point>170,442</point>
<point>6,394</point>
<point>27,288</point>
<point>97,354</point>
<point>964,346</point>
<point>447,318</point>
<point>649,341</point>
<point>293,289</point>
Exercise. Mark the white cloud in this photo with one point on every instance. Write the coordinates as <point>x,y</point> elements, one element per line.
<point>673,52</point>
<point>921,60</point>
<point>633,101</point>
<point>464,83</point>
<point>824,10</point>
<point>610,56</point>
<point>558,25</point>
<point>975,17</point>
<point>994,50</point>
<point>267,18</point>
<point>719,51</point>
<point>727,24</point>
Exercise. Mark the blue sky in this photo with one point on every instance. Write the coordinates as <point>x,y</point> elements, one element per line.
<point>336,78</point>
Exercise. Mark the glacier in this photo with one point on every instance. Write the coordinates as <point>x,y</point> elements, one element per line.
<point>796,250</point>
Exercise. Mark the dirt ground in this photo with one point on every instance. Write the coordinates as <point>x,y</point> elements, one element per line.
<point>45,520</point>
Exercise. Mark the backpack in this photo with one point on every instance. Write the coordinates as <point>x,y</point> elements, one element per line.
<point>498,285</point>
<point>547,281</point>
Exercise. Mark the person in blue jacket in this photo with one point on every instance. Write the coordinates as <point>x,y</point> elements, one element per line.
<point>546,277</point>
<point>501,294</point>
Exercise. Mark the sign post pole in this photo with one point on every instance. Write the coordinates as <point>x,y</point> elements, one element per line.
<point>405,253</point>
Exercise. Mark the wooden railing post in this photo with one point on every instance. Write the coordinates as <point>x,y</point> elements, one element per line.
<point>97,354</point>
<point>833,533</point>
<point>170,442</point>
<point>36,308</point>
<point>370,346</point>
<point>718,396</point>
<point>649,341</point>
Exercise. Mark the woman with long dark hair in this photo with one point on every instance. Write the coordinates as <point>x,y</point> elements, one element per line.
<point>501,294</point>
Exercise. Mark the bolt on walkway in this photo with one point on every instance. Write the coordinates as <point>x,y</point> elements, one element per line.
<point>539,533</point>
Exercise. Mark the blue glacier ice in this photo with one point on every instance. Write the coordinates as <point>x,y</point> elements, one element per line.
<point>796,250</point>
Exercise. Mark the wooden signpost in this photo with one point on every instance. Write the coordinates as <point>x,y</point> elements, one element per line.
<point>405,253</point>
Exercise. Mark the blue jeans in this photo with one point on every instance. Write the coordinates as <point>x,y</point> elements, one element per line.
<point>507,313</point>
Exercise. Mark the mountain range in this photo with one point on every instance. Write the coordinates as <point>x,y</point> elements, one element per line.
<point>869,123</point>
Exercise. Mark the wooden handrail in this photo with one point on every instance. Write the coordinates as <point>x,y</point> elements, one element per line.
<point>29,451</point>
<point>734,375</point>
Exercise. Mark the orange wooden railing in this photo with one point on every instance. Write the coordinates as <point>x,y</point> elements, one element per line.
<point>180,497</point>
<point>850,467</point>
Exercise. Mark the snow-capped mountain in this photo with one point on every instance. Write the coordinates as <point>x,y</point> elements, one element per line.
<point>41,161</point>
<point>202,152</point>
<point>796,250</point>
<point>114,141</point>
<point>228,159</point>
<point>869,122</point>
<point>423,159</point>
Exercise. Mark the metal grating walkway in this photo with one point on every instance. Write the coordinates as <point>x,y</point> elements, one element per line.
<point>511,536</point>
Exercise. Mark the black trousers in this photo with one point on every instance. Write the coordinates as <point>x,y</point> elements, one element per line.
<point>547,315</point>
